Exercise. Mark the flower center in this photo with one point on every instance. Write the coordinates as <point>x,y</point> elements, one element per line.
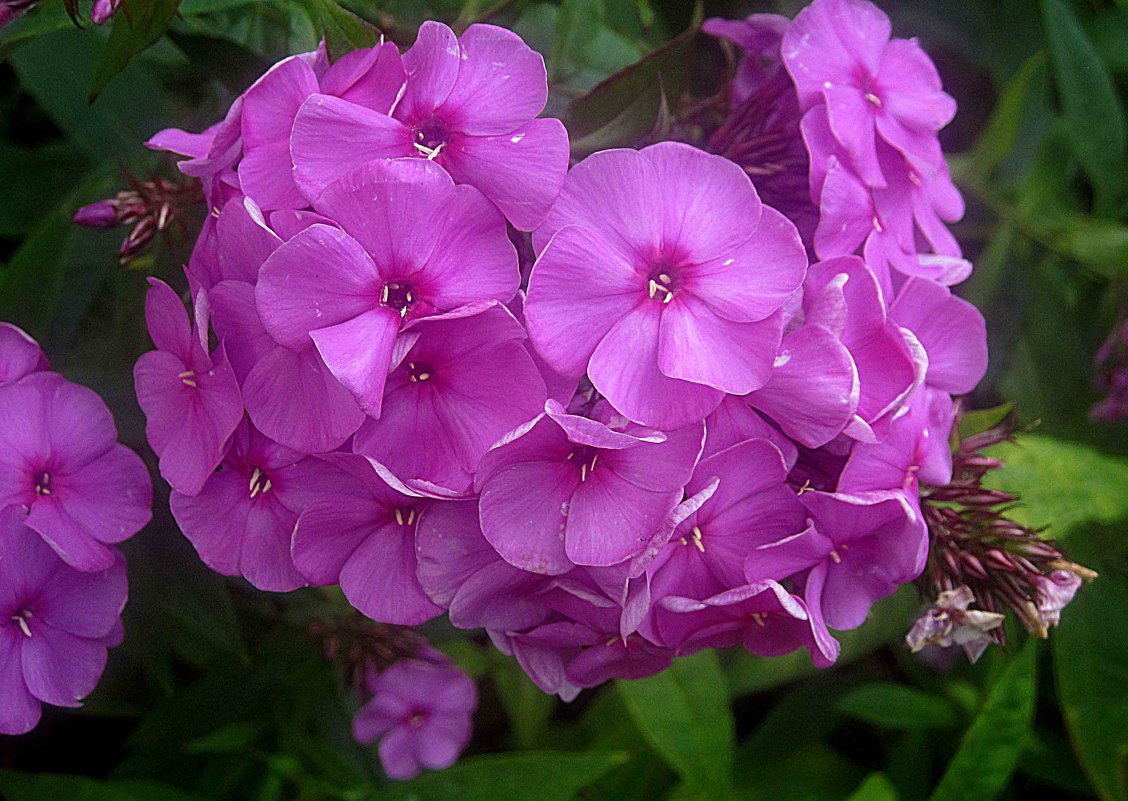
<point>662,282</point>
<point>416,719</point>
<point>405,515</point>
<point>188,378</point>
<point>429,138</point>
<point>20,619</point>
<point>399,296</point>
<point>694,538</point>
<point>585,456</point>
<point>419,371</point>
<point>259,484</point>
<point>43,485</point>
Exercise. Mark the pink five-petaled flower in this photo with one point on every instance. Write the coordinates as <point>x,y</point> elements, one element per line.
<point>19,354</point>
<point>463,381</point>
<point>421,710</point>
<point>582,491</point>
<point>839,53</point>
<point>412,244</point>
<point>190,398</point>
<point>242,520</point>
<point>59,457</point>
<point>470,107</point>
<point>55,624</point>
<point>367,545</point>
<point>662,275</point>
<point>370,78</point>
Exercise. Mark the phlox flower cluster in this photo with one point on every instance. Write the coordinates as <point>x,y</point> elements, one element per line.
<point>694,419</point>
<point>69,493</point>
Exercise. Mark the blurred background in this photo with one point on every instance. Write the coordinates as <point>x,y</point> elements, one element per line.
<point>221,692</point>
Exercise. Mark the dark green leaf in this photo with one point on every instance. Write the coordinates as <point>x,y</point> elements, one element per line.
<point>684,714</point>
<point>30,282</point>
<point>16,786</point>
<point>1092,110</point>
<point>627,107</point>
<point>344,31</point>
<point>136,26</point>
<point>1090,651</point>
<point>894,706</point>
<point>875,788</point>
<point>43,18</point>
<point>1002,128</point>
<point>529,708</point>
<point>536,776</point>
<point>991,747</point>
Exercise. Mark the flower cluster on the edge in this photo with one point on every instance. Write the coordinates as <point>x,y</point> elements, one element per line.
<point>68,494</point>
<point>670,432</point>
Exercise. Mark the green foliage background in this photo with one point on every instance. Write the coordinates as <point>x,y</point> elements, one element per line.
<point>218,691</point>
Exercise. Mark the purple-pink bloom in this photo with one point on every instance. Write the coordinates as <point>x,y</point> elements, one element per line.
<point>682,303</point>
<point>421,711</point>
<point>190,397</point>
<point>840,54</point>
<point>470,106</point>
<point>410,244</point>
<point>102,10</point>
<point>59,458</point>
<point>869,544</point>
<point>367,544</point>
<point>242,519</point>
<point>372,79</point>
<point>57,624</point>
<point>951,330</point>
<point>576,490</point>
<point>20,355</point>
<point>462,381</point>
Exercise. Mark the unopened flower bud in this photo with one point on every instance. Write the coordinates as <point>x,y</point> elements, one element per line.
<point>102,214</point>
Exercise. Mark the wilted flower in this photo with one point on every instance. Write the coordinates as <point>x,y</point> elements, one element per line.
<point>949,621</point>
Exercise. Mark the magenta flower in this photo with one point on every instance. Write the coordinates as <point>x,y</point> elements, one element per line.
<point>889,223</point>
<point>952,331</point>
<point>843,295</point>
<point>461,383</point>
<point>367,545</point>
<point>421,712</point>
<point>470,106</point>
<point>59,457</point>
<point>242,519</point>
<point>840,54</point>
<point>425,246</point>
<point>683,302</point>
<point>102,10</point>
<point>870,543</point>
<point>369,78</point>
<point>58,623</point>
<point>19,355</point>
<point>190,398</point>
<point>582,491</point>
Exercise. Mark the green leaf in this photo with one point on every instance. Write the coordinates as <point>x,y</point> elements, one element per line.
<point>980,420</point>
<point>1093,113</point>
<point>684,714</point>
<point>344,30</point>
<point>999,134</point>
<point>991,747</point>
<point>536,776</point>
<point>628,106</point>
<point>233,738</point>
<point>42,19</point>
<point>876,787</point>
<point>30,282</point>
<point>17,786</point>
<point>1061,483</point>
<point>136,26</point>
<point>1090,651</point>
<point>894,706</point>
<point>529,708</point>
